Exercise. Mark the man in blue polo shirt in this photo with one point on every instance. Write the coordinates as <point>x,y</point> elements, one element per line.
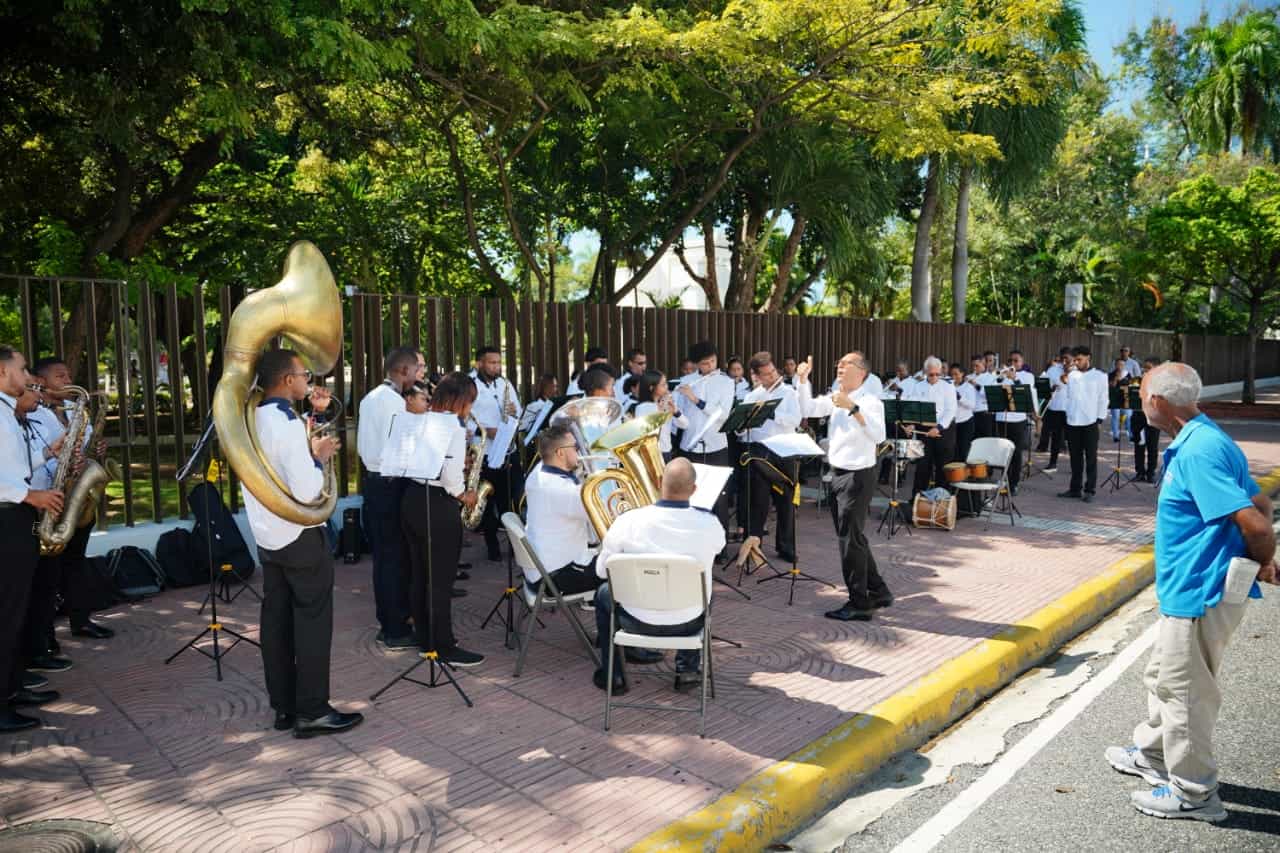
<point>1209,511</point>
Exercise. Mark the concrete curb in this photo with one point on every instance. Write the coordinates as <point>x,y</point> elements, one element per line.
<point>780,798</point>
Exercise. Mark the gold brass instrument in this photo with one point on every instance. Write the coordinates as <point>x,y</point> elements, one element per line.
<point>637,483</point>
<point>56,529</point>
<point>472,516</point>
<point>305,309</point>
<point>108,469</point>
<point>588,419</point>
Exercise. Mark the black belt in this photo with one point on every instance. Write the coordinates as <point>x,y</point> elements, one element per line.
<point>11,505</point>
<point>836,470</point>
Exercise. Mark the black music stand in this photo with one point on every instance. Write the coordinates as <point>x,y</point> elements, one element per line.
<point>1044,393</point>
<point>895,513</point>
<point>748,416</point>
<point>1009,398</point>
<point>794,574</point>
<point>436,666</point>
<point>1117,398</point>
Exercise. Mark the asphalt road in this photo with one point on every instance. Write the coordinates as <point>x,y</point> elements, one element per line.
<point>1066,797</point>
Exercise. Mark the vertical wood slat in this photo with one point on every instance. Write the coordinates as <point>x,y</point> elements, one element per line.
<point>55,321</point>
<point>377,343</point>
<point>512,339</point>
<point>177,391</point>
<point>120,311</point>
<point>415,326</point>
<point>493,336</point>
<point>464,323</point>
<point>89,292</point>
<point>359,353</point>
<point>147,345</point>
<point>395,319</point>
<point>340,393</point>
<point>579,320</point>
<point>449,351</point>
<point>28,320</point>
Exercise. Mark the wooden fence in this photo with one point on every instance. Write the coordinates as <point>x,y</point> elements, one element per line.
<point>155,419</point>
<point>1220,358</point>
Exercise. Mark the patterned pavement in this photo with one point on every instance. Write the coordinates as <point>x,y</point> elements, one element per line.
<point>178,761</point>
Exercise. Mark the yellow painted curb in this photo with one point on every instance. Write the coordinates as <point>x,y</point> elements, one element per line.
<point>781,797</point>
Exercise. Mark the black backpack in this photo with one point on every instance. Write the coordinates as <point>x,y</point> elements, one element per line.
<point>181,566</point>
<point>135,572</point>
<point>215,534</point>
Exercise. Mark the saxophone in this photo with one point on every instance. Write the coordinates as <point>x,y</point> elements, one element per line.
<point>110,470</point>
<point>55,531</point>
<point>471,516</point>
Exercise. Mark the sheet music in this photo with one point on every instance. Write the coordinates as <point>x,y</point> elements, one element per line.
<point>793,444</point>
<point>417,444</point>
<point>497,451</point>
<point>711,416</point>
<point>710,482</point>
<point>536,425</point>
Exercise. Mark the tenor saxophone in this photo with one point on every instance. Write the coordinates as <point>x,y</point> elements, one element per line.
<point>56,529</point>
<point>471,516</point>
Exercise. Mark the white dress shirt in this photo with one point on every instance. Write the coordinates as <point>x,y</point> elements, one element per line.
<point>1087,393</point>
<point>715,401</point>
<point>1058,394</point>
<point>41,435</point>
<point>558,527</point>
<point>851,446</point>
<point>1135,369</point>
<point>943,397</point>
<point>786,418</point>
<point>665,528</point>
<point>983,379</point>
<point>870,385</point>
<point>1026,378</point>
<point>620,395</point>
<point>452,477</point>
<point>676,421</point>
<point>282,436</point>
<point>530,415</point>
<point>741,388</point>
<point>15,456</point>
<point>373,423</point>
<point>966,402</point>
<point>897,388</point>
<point>487,409</point>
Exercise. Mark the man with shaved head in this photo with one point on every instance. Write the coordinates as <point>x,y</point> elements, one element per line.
<point>670,526</point>
<point>1209,513</point>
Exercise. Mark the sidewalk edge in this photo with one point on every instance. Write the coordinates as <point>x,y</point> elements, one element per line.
<point>784,795</point>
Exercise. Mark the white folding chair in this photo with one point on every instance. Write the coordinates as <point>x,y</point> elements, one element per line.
<point>996,453</point>
<point>548,595</point>
<point>658,582</point>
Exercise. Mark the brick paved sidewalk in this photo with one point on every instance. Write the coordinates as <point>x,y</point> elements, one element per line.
<point>178,761</point>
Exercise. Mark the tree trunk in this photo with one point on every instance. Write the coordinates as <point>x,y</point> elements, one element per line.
<point>960,251</point>
<point>782,281</point>
<point>710,282</point>
<point>468,209</point>
<point>1248,394</point>
<point>921,275</point>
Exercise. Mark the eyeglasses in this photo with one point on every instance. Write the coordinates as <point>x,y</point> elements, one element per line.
<point>572,446</point>
<point>306,373</point>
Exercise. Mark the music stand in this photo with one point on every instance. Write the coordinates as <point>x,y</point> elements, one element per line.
<point>794,573</point>
<point>1009,398</point>
<point>1117,398</point>
<point>1044,393</point>
<point>894,514</point>
<point>748,416</point>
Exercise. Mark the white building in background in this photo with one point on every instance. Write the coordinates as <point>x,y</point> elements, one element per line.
<point>669,281</point>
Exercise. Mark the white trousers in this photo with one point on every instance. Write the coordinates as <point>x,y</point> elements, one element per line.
<point>1183,698</point>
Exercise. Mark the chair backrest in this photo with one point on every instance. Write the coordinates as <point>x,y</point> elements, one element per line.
<point>656,581</point>
<point>520,547</point>
<point>993,451</point>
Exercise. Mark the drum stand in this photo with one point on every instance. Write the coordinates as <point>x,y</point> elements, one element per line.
<point>1116,478</point>
<point>894,513</point>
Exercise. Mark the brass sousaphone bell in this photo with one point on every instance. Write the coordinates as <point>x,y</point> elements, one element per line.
<point>609,493</point>
<point>305,309</point>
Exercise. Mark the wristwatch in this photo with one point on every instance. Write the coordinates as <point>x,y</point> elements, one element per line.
<point>856,408</point>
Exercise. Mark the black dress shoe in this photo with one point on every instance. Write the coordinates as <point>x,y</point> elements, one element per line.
<point>27,696</point>
<point>93,631</point>
<point>34,681</point>
<point>849,613</point>
<point>642,656</point>
<point>458,656</point>
<point>330,724</point>
<point>462,567</point>
<point>686,681</point>
<point>458,592</point>
<point>284,721</point>
<point>463,576</point>
<point>12,721</point>
<point>886,601</point>
<point>49,663</point>
<point>619,683</point>
<point>1088,497</point>
<point>397,643</point>
<point>1069,494</point>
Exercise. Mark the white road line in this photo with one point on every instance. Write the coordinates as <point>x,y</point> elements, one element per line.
<point>971,799</point>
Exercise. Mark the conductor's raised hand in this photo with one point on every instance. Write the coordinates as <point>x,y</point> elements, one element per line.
<point>803,369</point>
<point>323,447</point>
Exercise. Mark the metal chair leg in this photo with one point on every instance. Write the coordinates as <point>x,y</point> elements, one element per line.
<point>532,620</point>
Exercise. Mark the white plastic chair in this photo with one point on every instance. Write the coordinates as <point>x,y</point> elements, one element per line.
<point>534,602</point>
<point>659,582</point>
<point>996,453</point>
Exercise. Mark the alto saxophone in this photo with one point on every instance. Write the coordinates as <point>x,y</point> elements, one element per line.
<point>109,469</point>
<point>56,530</point>
<point>471,516</point>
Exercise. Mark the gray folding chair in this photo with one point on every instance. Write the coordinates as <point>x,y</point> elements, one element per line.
<point>996,453</point>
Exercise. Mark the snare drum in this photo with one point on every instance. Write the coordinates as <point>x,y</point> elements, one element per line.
<point>910,448</point>
<point>955,472</point>
<point>978,471</point>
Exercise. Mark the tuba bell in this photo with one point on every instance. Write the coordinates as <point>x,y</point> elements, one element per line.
<point>608,493</point>
<point>305,309</point>
<point>588,419</point>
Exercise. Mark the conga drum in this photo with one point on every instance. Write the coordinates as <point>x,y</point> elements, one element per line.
<point>955,472</point>
<point>978,471</point>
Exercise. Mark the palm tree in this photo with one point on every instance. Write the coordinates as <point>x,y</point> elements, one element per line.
<point>1238,95</point>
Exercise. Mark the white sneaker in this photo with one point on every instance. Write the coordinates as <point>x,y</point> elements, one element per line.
<point>1129,759</point>
<point>1163,802</point>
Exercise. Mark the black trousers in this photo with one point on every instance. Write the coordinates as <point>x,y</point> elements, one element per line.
<point>763,494</point>
<point>1019,433</point>
<point>61,573</point>
<point>508,484</point>
<point>433,557</point>
<point>297,624</point>
<point>19,553</point>
<point>74,569</point>
<point>1082,441</point>
<point>1146,444</point>
<point>984,424</point>
<point>850,501</point>
<point>1053,434</point>
<point>381,516</point>
<point>937,453</point>
<point>571,579</point>
<point>722,458</point>
<point>964,438</point>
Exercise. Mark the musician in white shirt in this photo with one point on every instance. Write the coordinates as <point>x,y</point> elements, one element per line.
<point>592,357</point>
<point>1086,389</point>
<point>496,404</point>
<point>979,377</point>
<point>634,366</point>
<point>653,397</point>
<point>544,394</point>
<point>669,526</point>
<point>705,398</point>
<point>1054,428</point>
<point>1130,363</point>
<point>772,479</point>
<point>737,372</point>
<point>939,439</point>
<point>966,403</point>
<point>382,496</point>
<point>431,519</point>
<point>1014,425</point>
<point>297,568</point>
<point>558,527</point>
<point>901,384</point>
<point>854,432</point>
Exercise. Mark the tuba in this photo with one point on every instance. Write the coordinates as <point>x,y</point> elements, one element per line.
<point>472,516</point>
<point>55,531</point>
<point>588,419</point>
<point>637,483</point>
<point>305,309</point>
